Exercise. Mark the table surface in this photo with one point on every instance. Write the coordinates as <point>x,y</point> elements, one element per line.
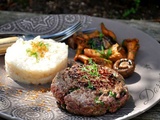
<point>150,27</point>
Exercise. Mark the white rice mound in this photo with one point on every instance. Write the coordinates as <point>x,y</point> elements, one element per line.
<point>25,68</point>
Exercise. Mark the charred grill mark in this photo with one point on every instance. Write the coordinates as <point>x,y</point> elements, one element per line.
<point>106,78</point>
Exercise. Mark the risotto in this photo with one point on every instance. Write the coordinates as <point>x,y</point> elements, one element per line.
<point>35,61</point>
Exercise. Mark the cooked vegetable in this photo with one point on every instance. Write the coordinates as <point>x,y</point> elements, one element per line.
<point>124,66</point>
<point>103,49</point>
<point>82,42</point>
<point>103,61</point>
<point>132,46</point>
<point>83,58</point>
<point>118,52</point>
<point>108,33</point>
<point>114,53</point>
<point>92,53</point>
<point>97,60</point>
<point>71,41</point>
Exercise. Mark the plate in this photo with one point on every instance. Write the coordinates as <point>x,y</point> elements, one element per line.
<point>20,101</point>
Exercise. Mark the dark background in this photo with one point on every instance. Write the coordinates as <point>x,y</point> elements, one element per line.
<point>114,9</point>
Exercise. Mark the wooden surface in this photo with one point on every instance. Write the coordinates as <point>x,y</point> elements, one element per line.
<point>149,27</point>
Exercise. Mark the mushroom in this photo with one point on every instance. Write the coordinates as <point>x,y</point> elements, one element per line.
<point>117,52</point>
<point>92,53</point>
<point>83,58</point>
<point>132,46</point>
<point>82,42</point>
<point>103,61</point>
<point>97,60</point>
<point>114,53</point>
<point>108,33</point>
<point>71,41</point>
<point>124,66</point>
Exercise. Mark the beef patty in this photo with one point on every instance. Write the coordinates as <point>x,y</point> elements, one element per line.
<point>89,90</point>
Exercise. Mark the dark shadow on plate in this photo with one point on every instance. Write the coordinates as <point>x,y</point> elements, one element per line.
<point>133,79</point>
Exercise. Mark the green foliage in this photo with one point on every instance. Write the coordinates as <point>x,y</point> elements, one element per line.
<point>23,3</point>
<point>132,10</point>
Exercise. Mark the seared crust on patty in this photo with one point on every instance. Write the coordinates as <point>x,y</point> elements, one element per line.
<point>89,90</point>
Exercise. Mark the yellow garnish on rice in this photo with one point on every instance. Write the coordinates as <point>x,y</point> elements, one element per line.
<point>38,49</point>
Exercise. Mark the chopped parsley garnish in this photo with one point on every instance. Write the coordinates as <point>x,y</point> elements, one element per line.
<point>38,49</point>
<point>32,53</point>
<point>112,94</point>
<point>109,53</point>
<point>90,85</point>
<point>92,43</point>
<point>98,45</point>
<point>103,52</point>
<point>101,36</point>
<point>92,68</point>
<point>96,100</point>
<point>90,61</point>
<point>97,42</point>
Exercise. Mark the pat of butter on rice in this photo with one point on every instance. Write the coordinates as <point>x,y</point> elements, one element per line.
<point>35,61</point>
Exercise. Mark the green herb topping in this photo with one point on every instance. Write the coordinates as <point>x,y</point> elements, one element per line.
<point>112,94</point>
<point>97,42</point>
<point>38,49</point>
<point>109,53</point>
<point>105,53</point>
<point>92,68</point>
<point>90,86</point>
<point>101,36</point>
<point>96,100</point>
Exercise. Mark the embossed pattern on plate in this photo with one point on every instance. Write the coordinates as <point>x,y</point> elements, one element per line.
<point>45,24</point>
